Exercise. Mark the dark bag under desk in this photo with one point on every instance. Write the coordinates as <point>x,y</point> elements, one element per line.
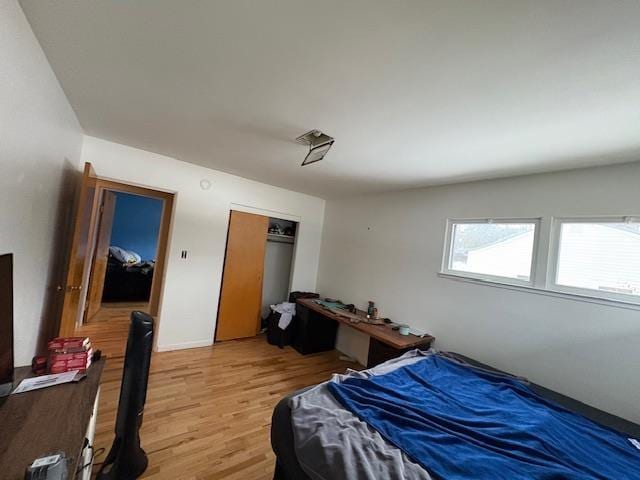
<point>313,332</point>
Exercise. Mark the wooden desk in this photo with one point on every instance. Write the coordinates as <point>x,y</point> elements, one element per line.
<point>47,421</point>
<point>384,343</point>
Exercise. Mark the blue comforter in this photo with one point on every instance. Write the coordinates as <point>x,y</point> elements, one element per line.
<point>460,422</point>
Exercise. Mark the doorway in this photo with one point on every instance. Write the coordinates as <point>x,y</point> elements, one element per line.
<point>257,272</point>
<point>125,253</point>
<point>104,281</point>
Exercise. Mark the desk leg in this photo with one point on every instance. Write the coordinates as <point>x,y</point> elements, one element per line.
<point>86,456</point>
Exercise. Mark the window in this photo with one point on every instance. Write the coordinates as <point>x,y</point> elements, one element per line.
<point>501,250</point>
<point>597,257</point>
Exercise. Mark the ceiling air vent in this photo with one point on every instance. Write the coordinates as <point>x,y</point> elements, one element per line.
<point>319,144</point>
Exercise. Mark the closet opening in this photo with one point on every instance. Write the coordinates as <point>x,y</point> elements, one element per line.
<point>278,262</point>
<point>257,272</point>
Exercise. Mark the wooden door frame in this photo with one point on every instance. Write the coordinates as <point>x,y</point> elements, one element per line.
<point>159,271</point>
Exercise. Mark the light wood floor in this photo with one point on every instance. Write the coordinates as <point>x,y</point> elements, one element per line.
<point>208,410</point>
<point>115,309</point>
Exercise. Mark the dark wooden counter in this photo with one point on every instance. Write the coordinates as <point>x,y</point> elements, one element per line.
<point>384,342</point>
<point>46,421</point>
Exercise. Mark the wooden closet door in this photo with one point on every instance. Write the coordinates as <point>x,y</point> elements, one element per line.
<point>241,293</point>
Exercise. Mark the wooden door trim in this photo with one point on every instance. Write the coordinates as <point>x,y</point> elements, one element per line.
<point>161,256</point>
<point>121,186</point>
<point>239,207</point>
<point>159,270</point>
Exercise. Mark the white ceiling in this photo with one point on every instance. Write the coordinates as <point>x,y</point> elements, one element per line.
<point>415,92</point>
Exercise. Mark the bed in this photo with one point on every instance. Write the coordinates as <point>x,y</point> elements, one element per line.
<point>127,282</point>
<point>315,436</point>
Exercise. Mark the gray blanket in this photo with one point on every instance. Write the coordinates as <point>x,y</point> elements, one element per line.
<point>331,443</point>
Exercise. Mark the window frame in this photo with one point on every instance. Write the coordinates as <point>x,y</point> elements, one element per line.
<point>448,248</point>
<point>554,258</point>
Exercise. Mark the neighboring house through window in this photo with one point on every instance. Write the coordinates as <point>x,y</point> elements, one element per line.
<point>492,249</point>
<point>597,257</point>
<point>593,257</point>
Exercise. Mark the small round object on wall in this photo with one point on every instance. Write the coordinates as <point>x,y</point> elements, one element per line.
<point>205,184</point>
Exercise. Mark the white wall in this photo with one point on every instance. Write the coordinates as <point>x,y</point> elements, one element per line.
<point>277,273</point>
<point>192,286</point>
<point>388,248</point>
<point>40,142</point>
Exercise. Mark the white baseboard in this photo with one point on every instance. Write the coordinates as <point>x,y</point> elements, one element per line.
<point>184,345</point>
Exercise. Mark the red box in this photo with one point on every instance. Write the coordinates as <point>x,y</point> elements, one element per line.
<point>66,366</point>
<point>67,343</point>
<point>69,353</point>
<point>77,362</point>
<point>55,356</point>
<point>60,357</point>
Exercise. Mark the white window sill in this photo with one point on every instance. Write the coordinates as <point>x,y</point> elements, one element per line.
<point>542,291</point>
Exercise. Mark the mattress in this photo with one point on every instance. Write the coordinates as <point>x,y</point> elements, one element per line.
<point>313,445</point>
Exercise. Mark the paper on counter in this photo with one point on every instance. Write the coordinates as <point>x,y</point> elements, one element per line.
<point>44,381</point>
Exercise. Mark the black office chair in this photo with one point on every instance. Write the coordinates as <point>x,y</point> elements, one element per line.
<point>126,459</point>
